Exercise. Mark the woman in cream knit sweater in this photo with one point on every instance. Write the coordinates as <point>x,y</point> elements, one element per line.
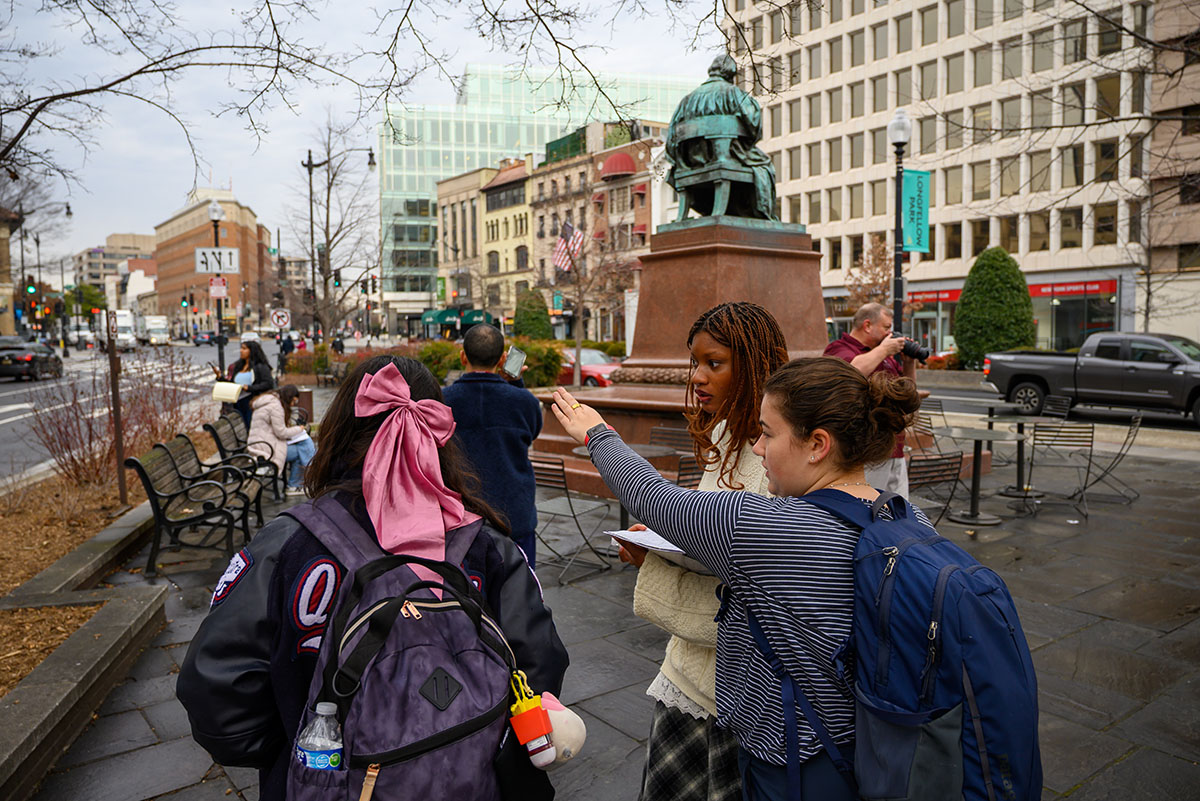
<point>734,347</point>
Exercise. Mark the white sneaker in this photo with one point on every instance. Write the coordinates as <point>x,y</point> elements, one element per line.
<point>294,491</point>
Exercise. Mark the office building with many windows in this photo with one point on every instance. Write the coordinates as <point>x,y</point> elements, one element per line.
<point>499,113</point>
<point>1029,115</point>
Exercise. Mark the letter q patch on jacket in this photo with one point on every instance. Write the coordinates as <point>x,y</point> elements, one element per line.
<point>313,597</point>
<point>237,567</point>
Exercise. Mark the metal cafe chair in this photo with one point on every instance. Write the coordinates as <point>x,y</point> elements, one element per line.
<point>1106,475</point>
<point>549,473</point>
<point>1066,447</point>
<point>1056,406</point>
<point>677,438</point>
<point>935,474</point>
<point>690,472</point>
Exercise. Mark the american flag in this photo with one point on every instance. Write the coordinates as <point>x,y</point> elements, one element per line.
<point>570,243</point>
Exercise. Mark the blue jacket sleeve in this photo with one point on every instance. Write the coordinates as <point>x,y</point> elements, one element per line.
<point>701,523</point>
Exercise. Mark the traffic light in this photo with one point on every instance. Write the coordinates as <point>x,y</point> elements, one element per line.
<point>363,283</point>
<point>33,308</point>
<point>192,299</point>
<point>31,289</point>
<point>183,302</point>
<point>59,308</point>
<point>337,277</point>
<point>372,285</point>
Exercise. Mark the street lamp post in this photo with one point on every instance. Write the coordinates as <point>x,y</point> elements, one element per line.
<point>310,165</point>
<point>216,214</point>
<point>899,133</point>
<point>37,249</point>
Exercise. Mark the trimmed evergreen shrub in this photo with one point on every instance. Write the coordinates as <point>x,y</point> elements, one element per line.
<point>531,318</point>
<point>995,311</point>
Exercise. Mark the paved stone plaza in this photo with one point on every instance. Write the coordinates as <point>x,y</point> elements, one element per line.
<point>1109,604</point>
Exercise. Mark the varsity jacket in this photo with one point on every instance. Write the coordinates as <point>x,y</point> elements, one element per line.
<point>245,679</point>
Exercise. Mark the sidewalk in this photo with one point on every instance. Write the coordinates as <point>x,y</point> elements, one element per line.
<point>1109,604</point>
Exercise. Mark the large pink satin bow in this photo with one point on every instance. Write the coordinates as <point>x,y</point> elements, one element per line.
<point>408,503</point>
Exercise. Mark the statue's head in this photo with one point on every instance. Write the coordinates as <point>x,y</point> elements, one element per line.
<point>724,67</point>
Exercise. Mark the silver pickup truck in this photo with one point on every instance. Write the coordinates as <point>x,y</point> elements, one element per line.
<point>1141,371</point>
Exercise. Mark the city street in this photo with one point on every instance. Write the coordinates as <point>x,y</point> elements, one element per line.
<point>19,449</point>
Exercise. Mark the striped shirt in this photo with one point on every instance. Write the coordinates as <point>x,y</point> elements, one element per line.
<point>789,561</point>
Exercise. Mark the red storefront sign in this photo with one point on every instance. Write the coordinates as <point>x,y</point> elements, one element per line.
<point>943,295</point>
<point>1035,291</point>
<point>1073,288</point>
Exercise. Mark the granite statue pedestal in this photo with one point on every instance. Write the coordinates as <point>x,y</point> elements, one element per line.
<point>692,266</point>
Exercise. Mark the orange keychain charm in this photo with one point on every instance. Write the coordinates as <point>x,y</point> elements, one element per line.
<point>531,722</point>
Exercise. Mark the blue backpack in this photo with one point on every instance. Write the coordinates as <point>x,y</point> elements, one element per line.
<point>944,687</point>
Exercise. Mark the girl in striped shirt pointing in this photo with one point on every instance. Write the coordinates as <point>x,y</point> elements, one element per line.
<point>792,563</point>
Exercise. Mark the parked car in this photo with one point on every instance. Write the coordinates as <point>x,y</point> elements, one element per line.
<point>594,367</point>
<point>204,337</point>
<point>251,336</point>
<point>1142,371</point>
<point>21,359</point>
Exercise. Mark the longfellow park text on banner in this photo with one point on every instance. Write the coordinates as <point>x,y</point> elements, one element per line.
<point>916,211</point>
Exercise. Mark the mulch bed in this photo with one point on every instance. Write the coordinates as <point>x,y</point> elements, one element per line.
<point>28,636</point>
<point>42,523</point>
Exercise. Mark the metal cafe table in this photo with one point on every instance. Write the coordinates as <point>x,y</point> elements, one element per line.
<point>1020,489</point>
<point>987,403</point>
<point>973,517</point>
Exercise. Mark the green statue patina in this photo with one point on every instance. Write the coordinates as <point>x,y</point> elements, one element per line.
<point>717,167</point>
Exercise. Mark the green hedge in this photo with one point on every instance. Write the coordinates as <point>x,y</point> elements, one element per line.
<point>440,357</point>
<point>531,318</point>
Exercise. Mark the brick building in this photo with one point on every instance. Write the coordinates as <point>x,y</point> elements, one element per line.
<point>177,238</point>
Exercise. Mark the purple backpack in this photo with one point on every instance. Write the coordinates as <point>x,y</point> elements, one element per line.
<point>422,685</point>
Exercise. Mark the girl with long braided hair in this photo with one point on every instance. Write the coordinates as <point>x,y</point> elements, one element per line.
<point>734,348</point>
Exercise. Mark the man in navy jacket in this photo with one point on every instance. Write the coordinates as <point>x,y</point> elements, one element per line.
<point>497,422</point>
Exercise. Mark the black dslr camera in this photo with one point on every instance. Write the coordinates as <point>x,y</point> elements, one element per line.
<point>912,350</point>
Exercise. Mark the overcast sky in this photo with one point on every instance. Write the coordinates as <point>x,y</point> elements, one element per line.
<point>141,169</point>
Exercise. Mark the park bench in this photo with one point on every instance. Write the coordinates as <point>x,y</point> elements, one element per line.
<point>230,435</point>
<point>179,504</point>
<point>237,472</point>
<point>333,374</point>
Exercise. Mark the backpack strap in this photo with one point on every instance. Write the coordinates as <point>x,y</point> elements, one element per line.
<point>852,510</point>
<point>793,695</point>
<point>344,537</point>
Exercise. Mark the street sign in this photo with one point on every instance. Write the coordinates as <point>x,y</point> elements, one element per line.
<point>217,260</point>
<point>218,288</point>
<point>281,318</point>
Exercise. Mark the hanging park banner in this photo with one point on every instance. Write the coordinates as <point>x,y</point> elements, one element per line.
<point>916,211</point>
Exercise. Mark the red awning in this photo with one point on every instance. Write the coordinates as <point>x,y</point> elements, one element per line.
<point>599,234</point>
<point>617,165</point>
<point>639,229</point>
<point>640,189</point>
<point>598,197</point>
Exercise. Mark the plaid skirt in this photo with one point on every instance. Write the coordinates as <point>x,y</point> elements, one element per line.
<point>689,760</point>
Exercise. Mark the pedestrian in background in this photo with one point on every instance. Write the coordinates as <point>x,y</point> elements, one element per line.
<point>286,346</point>
<point>870,348</point>
<point>253,372</point>
<point>734,348</point>
<point>497,423</point>
<point>270,435</point>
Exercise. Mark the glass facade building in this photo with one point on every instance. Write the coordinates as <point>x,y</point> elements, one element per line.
<point>498,113</point>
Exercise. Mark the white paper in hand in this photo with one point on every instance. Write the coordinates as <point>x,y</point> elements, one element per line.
<point>647,539</point>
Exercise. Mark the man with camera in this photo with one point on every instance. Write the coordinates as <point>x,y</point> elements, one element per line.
<point>497,420</point>
<point>871,347</point>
